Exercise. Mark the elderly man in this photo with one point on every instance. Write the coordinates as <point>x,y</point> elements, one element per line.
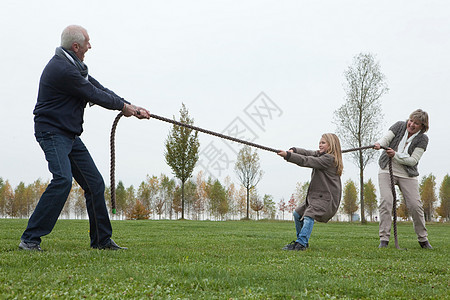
<point>65,88</point>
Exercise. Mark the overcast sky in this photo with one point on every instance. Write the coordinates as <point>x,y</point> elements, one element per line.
<point>224,59</point>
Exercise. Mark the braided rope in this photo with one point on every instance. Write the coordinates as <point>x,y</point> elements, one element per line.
<point>112,170</point>
<point>222,136</point>
<point>394,202</point>
<point>113,163</point>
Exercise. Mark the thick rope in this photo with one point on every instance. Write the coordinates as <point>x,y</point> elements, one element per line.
<point>394,203</point>
<point>222,136</point>
<point>112,173</point>
<point>113,163</point>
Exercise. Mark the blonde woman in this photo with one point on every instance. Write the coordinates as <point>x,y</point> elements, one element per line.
<point>325,189</point>
<point>406,142</point>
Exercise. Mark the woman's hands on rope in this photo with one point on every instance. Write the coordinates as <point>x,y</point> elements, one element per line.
<point>389,151</point>
<point>129,110</point>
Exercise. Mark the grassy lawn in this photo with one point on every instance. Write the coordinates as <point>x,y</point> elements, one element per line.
<point>224,260</point>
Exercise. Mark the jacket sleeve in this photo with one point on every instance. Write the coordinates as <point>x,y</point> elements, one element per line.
<point>99,86</point>
<point>409,160</point>
<point>321,162</point>
<point>304,151</point>
<point>78,86</point>
<point>386,139</point>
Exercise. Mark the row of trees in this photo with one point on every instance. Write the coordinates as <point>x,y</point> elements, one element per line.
<point>427,189</point>
<point>156,197</point>
<point>161,197</point>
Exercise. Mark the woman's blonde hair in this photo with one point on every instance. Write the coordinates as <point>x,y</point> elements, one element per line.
<point>422,117</point>
<point>335,150</point>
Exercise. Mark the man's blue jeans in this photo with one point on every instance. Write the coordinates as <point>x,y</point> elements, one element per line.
<point>303,227</point>
<point>69,158</point>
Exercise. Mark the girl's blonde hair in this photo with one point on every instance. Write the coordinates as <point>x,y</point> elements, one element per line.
<point>335,150</point>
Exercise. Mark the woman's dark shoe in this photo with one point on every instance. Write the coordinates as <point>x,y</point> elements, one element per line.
<point>295,246</point>
<point>383,244</point>
<point>290,246</point>
<point>425,245</point>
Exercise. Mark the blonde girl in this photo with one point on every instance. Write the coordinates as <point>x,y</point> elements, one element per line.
<point>325,189</point>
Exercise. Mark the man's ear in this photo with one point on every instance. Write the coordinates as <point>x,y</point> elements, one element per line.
<point>75,47</point>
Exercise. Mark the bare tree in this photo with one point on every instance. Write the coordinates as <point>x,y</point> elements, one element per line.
<point>247,168</point>
<point>359,118</point>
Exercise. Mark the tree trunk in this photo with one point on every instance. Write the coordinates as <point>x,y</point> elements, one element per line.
<point>248,202</point>
<point>182,200</point>
<point>361,183</point>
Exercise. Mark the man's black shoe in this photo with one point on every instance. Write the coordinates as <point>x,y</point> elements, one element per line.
<point>112,246</point>
<point>383,244</point>
<point>29,246</point>
<point>425,245</point>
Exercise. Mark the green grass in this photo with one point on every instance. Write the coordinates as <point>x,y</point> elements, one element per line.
<point>224,260</point>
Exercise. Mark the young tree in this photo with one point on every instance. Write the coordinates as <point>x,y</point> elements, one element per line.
<point>255,202</point>
<point>269,206</point>
<point>232,196</point>
<point>282,207</point>
<point>167,189</point>
<point>218,199</point>
<point>8,196</point>
<point>121,199</point>
<point>199,205</point>
<point>242,202</point>
<point>370,198</point>
<point>349,203</point>
<point>247,168</point>
<point>291,204</point>
<point>131,197</point>
<point>79,201</point>
<point>428,195</point>
<point>138,211</point>
<point>67,209</point>
<point>301,190</point>
<point>20,201</point>
<point>359,118</point>
<point>2,198</point>
<point>402,209</point>
<point>444,194</point>
<point>37,189</point>
<point>190,195</point>
<point>182,151</point>
<point>148,190</point>
<point>176,202</point>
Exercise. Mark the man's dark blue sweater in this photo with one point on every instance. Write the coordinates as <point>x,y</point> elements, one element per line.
<point>63,95</point>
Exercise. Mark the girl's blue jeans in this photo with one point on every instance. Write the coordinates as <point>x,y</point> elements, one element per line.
<point>303,227</point>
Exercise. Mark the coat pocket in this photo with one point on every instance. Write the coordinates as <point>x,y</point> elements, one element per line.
<point>320,200</point>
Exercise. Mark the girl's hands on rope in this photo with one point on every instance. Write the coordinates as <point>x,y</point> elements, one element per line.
<point>133,110</point>
<point>283,153</point>
<point>389,151</point>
